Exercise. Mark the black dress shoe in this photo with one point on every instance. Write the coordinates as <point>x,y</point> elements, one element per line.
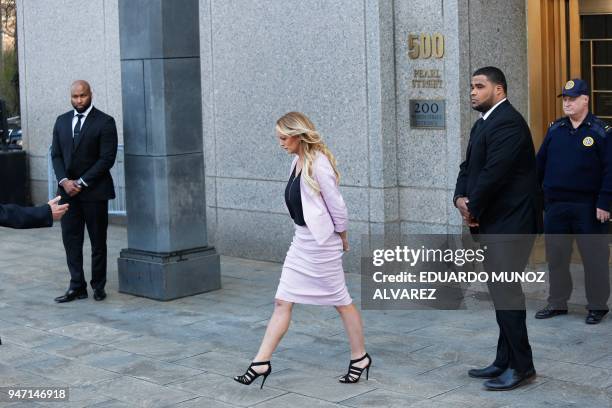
<point>509,380</point>
<point>72,294</point>
<point>549,312</point>
<point>595,316</point>
<point>99,294</point>
<point>491,371</point>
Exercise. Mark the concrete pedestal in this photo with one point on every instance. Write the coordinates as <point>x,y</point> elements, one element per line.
<point>171,275</point>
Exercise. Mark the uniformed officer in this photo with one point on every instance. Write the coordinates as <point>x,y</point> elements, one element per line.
<point>575,171</point>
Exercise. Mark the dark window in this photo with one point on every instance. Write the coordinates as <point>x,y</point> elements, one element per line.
<point>602,78</point>
<point>597,26</point>
<point>585,61</point>
<point>602,52</point>
<point>603,103</point>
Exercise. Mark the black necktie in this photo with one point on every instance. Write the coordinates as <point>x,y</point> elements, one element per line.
<point>77,127</point>
<point>478,124</point>
<point>473,134</point>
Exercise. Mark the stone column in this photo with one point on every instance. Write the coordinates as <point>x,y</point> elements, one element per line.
<point>382,121</point>
<point>168,255</point>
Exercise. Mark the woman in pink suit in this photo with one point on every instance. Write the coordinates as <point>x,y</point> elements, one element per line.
<point>312,272</point>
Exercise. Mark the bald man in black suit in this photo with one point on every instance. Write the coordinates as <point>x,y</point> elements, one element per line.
<point>83,151</point>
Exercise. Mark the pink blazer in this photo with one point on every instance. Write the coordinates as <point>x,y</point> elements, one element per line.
<point>324,213</point>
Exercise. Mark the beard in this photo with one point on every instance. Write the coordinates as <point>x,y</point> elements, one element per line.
<point>484,106</point>
<point>83,109</point>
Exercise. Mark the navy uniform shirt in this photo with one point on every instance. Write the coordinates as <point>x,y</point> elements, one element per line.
<point>575,165</point>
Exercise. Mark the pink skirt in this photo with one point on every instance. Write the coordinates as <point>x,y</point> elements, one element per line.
<point>312,273</point>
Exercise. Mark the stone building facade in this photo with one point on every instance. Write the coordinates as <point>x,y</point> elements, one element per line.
<point>356,67</point>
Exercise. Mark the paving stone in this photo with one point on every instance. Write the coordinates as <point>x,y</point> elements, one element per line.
<point>157,371</point>
<point>160,349</point>
<point>94,333</point>
<point>567,394</point>
<point>106,358</point>
<point>10,376</point>
<point>324,328</point>
<point>20,405</point>
<point>15,354</point>
<point>79,397</point>
<point>316,350</point>
<point>139,393</point>
<point>432,404</point>
<point>70,347</point>
<point>203,402</point>
<point>413,385</point>
<point>110,403</point>
<point>296,400</point>
<point>474,393</point>
<point>398,343</point>
<point>381,398</point>
<point>28,336</point>
<point>230,362</point>
<point>225,389</point>
<point>602,362</point>
<point>67,371</point>
<point>320,384</point>
<point>136,352</point>
<point>580,374</point>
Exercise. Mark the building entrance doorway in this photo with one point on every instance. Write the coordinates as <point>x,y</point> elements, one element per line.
<point>568,39</point>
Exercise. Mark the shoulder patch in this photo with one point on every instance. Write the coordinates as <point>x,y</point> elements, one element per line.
<point>600,126</point>
<point>555,124</point>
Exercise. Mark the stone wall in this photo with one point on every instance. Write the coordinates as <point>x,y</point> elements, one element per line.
<point>477,33</point>
<point>60,41</point>
<point>344,63</point>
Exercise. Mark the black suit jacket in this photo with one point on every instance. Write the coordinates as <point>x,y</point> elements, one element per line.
<point>14,216</point>
<point>90,156</point>
<point>499,175</point>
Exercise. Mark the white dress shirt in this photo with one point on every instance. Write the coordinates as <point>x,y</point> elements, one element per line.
<point>75,119</point>
<point>487,113</point>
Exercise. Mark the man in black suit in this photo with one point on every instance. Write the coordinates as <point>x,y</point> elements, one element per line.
<point>83,151</point>
<point>496,194</point>
<point>15,216</point>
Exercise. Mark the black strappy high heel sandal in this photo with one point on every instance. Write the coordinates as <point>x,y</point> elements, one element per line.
<point>251,374</point>
<point>354,372</point>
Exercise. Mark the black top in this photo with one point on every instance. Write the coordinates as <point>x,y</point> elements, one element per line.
<point>293,199</point>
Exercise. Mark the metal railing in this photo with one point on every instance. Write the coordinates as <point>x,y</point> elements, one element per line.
<point>116,206</point>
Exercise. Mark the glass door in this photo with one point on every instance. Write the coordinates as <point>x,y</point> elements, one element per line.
<point>596,61</point>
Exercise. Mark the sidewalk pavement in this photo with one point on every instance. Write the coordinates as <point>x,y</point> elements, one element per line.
<point>134,352</point>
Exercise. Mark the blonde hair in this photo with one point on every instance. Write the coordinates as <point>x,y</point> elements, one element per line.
<point>298,124</point>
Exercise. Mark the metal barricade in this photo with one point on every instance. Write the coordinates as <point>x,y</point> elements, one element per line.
<point>116,206</point>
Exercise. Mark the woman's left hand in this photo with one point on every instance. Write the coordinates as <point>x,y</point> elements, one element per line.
<point>345,243</point>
